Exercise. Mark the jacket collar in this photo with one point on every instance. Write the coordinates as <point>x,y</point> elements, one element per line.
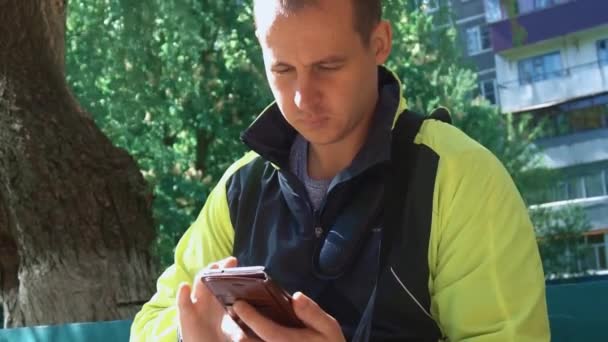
<point>271,136</point>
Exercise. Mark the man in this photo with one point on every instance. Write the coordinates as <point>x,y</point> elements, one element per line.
<point>309,204</point>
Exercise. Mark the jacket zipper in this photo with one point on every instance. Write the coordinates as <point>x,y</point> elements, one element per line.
<point>318,229</point>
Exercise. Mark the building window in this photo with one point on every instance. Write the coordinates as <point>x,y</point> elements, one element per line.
<point>431,5</point>
<point>576,188</point>
<point>606,181</point>
<point>594,185</point>
<point>602,51</point>
<point>561,191</point>
<point>585,119</point>
<point>589,185</point>
<point>497,9</point>
<point>573,117</point>
<point>487,89</point>
<point>525,6</point>
<point>478,40</point>
<point>428,6</point>
<point>539,68</point>
<point>539,4</point>
<point>494,11</point>
<point>570,188</point>
<point>596,257</point>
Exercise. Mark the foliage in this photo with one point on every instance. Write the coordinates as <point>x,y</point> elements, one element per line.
<point>561,242</point>
<point>174,83</point>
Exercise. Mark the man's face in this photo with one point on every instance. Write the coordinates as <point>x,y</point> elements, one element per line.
<point>322,76</point>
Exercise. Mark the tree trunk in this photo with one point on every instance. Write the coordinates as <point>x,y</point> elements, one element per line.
<point>75,213</point>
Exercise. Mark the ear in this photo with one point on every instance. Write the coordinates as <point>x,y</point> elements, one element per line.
<point>382,41</point>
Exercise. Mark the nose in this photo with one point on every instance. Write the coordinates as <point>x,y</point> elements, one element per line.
<point>307,95</point>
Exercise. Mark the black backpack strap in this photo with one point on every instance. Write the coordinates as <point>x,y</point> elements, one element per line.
<point>403,157</point>
<point>441,114</point>
<point>403,162</point>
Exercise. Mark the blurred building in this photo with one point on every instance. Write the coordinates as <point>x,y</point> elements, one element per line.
<point>474,32</point>
<point>549,60</point>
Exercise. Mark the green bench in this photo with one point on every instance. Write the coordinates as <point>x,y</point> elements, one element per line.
<point>578,311</point>
<point>112,331</point>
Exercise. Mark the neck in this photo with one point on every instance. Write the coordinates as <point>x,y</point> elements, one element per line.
<point>327,160</point>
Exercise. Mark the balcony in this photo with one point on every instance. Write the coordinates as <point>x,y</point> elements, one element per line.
<point>561,18</point>
<point>596,209</point>
<point>579,148</point>
<point>568,84</point>
<point>497,10</point>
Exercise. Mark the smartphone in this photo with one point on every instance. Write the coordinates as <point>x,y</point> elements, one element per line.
<point>254,286</point>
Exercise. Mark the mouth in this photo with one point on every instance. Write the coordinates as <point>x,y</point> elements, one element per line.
<point>314,121</point>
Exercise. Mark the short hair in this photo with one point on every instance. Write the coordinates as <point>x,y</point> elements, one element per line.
<point>366,13</point>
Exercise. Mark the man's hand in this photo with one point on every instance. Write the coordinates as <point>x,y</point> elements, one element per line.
<point>319,325</point>
<point>199,313</point>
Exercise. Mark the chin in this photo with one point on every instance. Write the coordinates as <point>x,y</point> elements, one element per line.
<point>317,139</point>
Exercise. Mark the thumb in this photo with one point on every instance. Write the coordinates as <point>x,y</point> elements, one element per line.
<point>202,300</point>
<point>226,262</point>
<point>311,314</point>
<point>200,291</point>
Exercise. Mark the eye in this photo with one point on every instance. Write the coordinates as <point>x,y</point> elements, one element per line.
<point>281,70</point>
<point>329,66</point>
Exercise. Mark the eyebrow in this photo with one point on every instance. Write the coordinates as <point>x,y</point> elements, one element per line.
<point>326,60</point>
<point>331,59</point>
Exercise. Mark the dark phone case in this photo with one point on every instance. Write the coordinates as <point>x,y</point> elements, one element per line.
<point>257,289</point>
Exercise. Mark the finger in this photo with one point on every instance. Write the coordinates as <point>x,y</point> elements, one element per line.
<point>201,295</point>
<point>231,330</point>
<point>227,262</point>
<point>184,304</point>
<point>205,303</point>
<point>265,328</point>
<point>200,290</point>
<point>244,338</point>
<point>186,313</point>
<point>311,314</point>
<point>224,263</point>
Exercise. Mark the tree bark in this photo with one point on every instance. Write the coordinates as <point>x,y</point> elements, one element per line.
<point>75,213</point>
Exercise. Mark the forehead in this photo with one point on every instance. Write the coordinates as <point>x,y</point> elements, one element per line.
<point>265,10</point>
<point>325,27</point>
